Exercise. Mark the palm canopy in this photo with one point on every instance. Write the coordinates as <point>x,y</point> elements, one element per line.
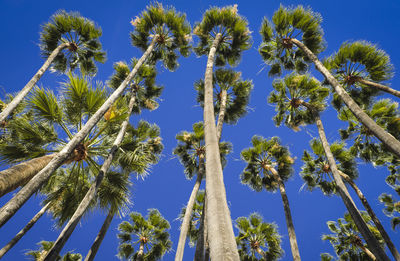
<point>293,91</point>
<point>316,171</point>
<point>392,208</point>
<point>191,146</point>
<point>152,233</point>
<point>264,157</point>
<point>45,246</point>
<point>235,34</point>
<point>81,34</point>
<point>172,31</point>
<point>287,23</point>
<point>355,61</point>
<point>238,93</point>
<point>346,239</point>
<point>254,234</point>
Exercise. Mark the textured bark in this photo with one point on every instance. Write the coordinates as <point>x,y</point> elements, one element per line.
<point>222,243</point>
<point>380,87</point>
<point>374,218</point>
<point>200,244</point>
<point>289,222</point>
<point>188,215</point>
<point>24,194</point>
<point>92,192</point>
<point>221,114</point>
<point>386,138</point>
<point>28,87</point>
<point>23,231</point>
<point>100,236</point>
<point>20,174</point>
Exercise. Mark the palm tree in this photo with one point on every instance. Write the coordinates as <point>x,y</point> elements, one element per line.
<point>223,36</point>
<point>281,36</point>
<point>347,241</point>
<point>68,41</point>
<point>299,99</point>
<point>254,234</point>
<point>150,234</point>
<point>154,20</point>
<point>191,153</point>
<point>45,246</point>
<point>316,172</point>
<point>145,75</point>
<point>391,207</point>
<point>268,165</point>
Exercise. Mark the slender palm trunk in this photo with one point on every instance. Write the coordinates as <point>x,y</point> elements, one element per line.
<point>188,213</point>
<point>380,87</point>
<point>23,231</point>
<point>344,194</point>
<point>28,87</point>
<point>200,244</point>
<point>289,222</point>
<point>386,138</point>
<point>20,174</point>
<point>260,252</point>
<point>140,254</point>
<point>222,243</point>
<point>102,233</point>
<point>221,114</point>
<point>23,195</point>
<point>374,218</point>
<point>92,192</point>
<point>366,251</point>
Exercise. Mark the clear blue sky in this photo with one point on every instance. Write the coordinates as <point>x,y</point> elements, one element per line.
<point>166,188</point>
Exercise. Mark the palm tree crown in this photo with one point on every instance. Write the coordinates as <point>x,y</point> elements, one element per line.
<point>46,246</point>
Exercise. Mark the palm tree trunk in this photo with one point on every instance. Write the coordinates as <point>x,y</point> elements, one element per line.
<point>140,254</point>
<point>92,192</point>
<point>21,233</point>
<point>221,114</point>
<point>23,195</point>
<point>188,213</point>
<point>344,194</point>
<point>386,138</point>
<point>366,251</point>
<point>28,87</point>
<point>374,218</point>
<point>222,243</point>
<point>102,233</point>
<point>200,244</point>
<point>260,252</point>
<point>292,235</point>
<point>380,87</point>
<point>20,174</point>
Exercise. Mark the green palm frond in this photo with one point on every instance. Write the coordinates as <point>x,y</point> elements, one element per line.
<point>44,104</point>
<point>45,246</point>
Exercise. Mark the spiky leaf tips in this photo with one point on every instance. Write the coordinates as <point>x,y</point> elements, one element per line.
<point>233,28</point>
<point>278,51</point>
<point>81,34</point>
<point>172,32</point>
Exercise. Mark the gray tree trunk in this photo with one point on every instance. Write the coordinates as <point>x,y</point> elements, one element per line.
<point>386,138</point>
<point>221,114</point>
<point>28,87</point>
<point>222,243</point>
<point>20,174</point>
<point>380,87</point>
<point>23,231</point>
<point>23,195</point>
<point>100,236</point>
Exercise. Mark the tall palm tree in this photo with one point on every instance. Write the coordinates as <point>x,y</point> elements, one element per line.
<point>254,234</point>
<point>191,153</point>
<point>268,165</point>
<point>144,239</point>
<point>68,41</point>
<point>299,99</point>
<point>280,36</point>
<point>346,239</point>
<point>45,246</point>
<point>223,36</point>
<point>316,172</point>
<point>171,34</point>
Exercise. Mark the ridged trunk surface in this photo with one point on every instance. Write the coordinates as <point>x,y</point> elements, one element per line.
<point>221,114</point>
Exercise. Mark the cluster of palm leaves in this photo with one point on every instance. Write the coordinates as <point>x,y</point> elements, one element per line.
<point>78,148</point>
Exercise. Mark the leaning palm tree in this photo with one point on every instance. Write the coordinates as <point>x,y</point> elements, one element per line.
<point>170,34</point>
<point>68,41</point>
<point>316,173</point>
<point>254,235</point>
<point>268,165</point>
<point>144,239</point>
<point>299,99</point>
<point>37,255</point>
<point>223,36</point>
<point>346,239</point>
<point>281,35</point>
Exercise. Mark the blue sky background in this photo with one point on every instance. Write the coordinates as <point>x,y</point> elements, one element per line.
<point>166,188</point>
